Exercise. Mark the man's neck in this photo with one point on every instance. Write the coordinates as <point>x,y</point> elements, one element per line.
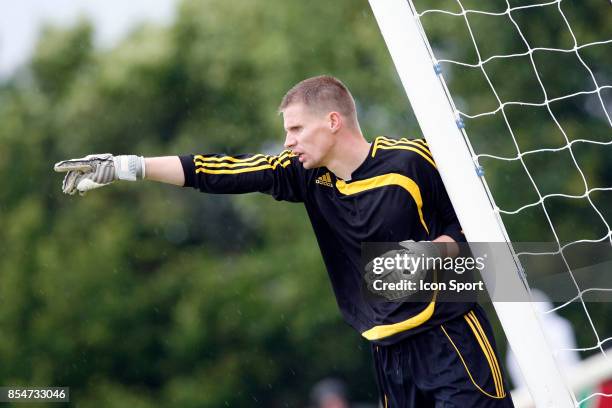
<point>349,153</point>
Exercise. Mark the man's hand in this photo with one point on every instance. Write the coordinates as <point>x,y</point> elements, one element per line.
<point>424,249</point>
<point>98,170</point>
<point>409,267</point>
<point>396,280</point>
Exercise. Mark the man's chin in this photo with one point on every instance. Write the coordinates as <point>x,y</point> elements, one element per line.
<point>309,165</point>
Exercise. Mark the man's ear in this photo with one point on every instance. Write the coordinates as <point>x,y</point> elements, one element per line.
<point>335,121</point>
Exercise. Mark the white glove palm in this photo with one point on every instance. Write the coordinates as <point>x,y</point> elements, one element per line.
<point>98,170</point>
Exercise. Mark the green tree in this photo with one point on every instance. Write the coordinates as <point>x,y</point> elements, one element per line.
<point>148,295</point>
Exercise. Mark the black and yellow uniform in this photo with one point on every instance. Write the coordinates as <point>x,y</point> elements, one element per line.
<point>453,365</point>
<point>396,194</point>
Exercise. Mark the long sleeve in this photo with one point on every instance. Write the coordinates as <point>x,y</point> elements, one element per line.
<point>280,176</point>
<point>447,214</point>
<point>436,198</point>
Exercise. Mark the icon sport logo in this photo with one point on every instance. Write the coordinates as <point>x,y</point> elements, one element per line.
<point>324,180</point>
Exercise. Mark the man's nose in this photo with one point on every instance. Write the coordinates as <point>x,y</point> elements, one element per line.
<point>289,142</point>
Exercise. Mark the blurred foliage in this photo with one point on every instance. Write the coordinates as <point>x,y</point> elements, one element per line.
<point>148,295</point>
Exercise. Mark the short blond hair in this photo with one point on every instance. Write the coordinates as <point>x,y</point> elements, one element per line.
<point>322,93</point>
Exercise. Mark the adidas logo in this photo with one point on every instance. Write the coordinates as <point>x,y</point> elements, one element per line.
<point>324,180</point>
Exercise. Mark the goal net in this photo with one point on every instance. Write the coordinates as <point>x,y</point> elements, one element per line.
<point>515,100</point>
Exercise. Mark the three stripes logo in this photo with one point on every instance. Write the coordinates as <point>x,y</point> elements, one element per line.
<point>324,180</point>
<point>218,164</point>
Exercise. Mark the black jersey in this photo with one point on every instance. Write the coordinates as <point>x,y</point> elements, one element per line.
<point>396,194</point>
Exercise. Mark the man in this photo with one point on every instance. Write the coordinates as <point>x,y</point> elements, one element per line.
<point>425,353</point>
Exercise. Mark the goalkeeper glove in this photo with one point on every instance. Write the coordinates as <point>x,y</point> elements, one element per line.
<point>393,275</point>
<point>98,170</point>
<point>414,272</point>
<point>426,249</point>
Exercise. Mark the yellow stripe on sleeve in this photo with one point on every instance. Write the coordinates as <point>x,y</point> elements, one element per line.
<point>243,169</point>
<point>422,141</point>
<point>404,144</point>
<point>227,158</point>
<point>230,165</point>
<point>206,165</point>
<point>404,141</point>
<point>269,159</point>
<point>412,149</point>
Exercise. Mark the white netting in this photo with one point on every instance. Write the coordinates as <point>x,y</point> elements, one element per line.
<point>569,144</point>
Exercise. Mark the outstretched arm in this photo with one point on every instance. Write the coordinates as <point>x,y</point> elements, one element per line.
<point>167,169</point>
<point>210,173</point>
<point>99,170</point>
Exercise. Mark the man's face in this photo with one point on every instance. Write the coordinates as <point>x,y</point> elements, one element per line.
<point>309,135</point>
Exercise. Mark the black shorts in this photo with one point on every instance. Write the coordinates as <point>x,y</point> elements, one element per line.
<point>453,365</point>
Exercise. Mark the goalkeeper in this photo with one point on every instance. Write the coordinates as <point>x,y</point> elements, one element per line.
<point>426,353</point>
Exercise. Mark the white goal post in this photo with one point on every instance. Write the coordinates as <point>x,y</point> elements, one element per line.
<point>469,195</point>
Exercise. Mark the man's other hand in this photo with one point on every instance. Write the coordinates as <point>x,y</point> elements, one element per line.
<point>98,170</point>
<point>87,173</point>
